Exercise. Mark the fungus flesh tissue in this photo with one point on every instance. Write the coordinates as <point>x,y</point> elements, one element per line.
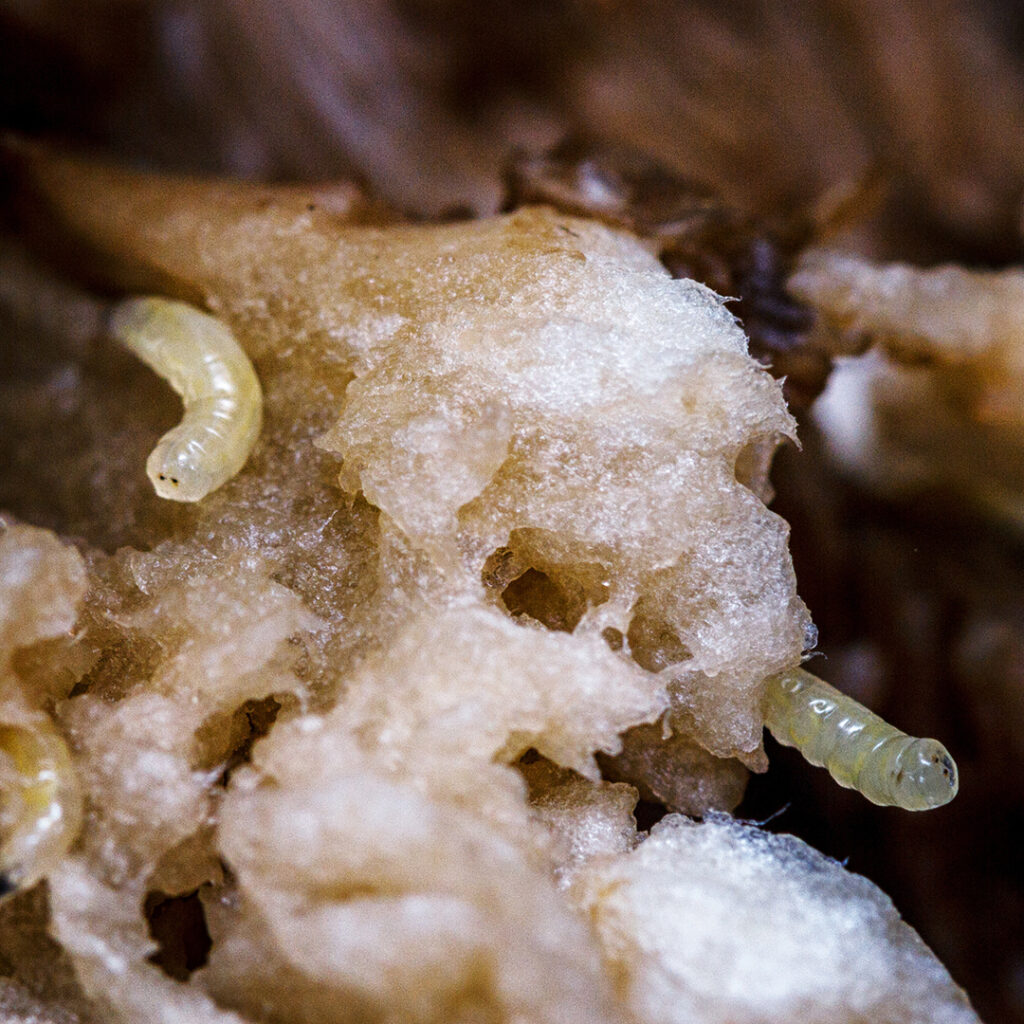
<point>336,726</point>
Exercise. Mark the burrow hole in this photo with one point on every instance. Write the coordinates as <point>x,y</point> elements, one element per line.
<point>536,586</point>
<point>177,924</point>
<point>532,583</point>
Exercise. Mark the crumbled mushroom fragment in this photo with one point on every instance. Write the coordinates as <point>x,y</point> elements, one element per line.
<point>939,406</point>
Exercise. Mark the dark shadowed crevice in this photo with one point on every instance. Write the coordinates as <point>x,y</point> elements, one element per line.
<point>534,579</point>
<point>613,638</point>
<point>228,739</point>
<point>553,603</point>
<point>177,925</point>
<point>647,814</point>
<point>254,720</point>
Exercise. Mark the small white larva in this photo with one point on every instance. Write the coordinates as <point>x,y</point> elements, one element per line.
<point>859,749</point>
<point>40,804</point>
<point>202,361</point>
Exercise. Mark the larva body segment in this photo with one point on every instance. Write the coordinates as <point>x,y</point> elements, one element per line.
<point>860,750</point>
<point>41,807</point>
<point>202,361</point>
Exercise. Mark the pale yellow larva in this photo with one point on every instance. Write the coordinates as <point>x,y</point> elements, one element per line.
<point>40,803</point>
<point>860,750</point>
<point>202,361</point>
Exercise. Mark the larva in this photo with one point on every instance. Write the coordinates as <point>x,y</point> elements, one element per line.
<point>41,808</point>
<point>859,749</point>
<point>202,361</point>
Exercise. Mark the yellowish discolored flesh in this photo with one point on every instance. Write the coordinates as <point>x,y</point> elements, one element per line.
<point>860,750</point>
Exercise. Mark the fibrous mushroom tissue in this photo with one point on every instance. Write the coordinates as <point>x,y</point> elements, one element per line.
<point>459,547</point>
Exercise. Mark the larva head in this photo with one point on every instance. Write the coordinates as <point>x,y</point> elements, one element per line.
<point>177,470</point>
<point>925,776</point>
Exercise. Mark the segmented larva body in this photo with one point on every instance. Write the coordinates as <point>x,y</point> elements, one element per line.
<point>859,749</point>
<point>40,804</point>
<point>202,361</point>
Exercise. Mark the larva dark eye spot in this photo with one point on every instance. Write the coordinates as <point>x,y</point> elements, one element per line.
<point>174,480</point>
<point>162,477</point>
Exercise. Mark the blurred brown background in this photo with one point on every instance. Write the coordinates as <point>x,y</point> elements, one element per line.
<point>778,107</point>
